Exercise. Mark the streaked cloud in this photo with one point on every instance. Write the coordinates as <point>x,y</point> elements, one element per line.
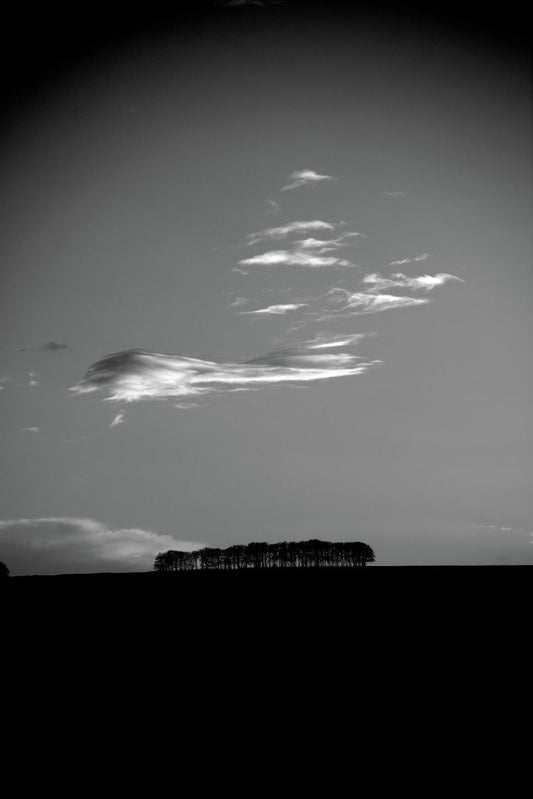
<point>294,258</point>
<point>363,302</point>
<point>119,418</point>
<point>329,340</point>
<point>325,245</point>
<point>399,280</point>
<point>139,375</point>
<point>423,257</point>
<point>56,544</point>
<point>277,309</point>
<point>309,360</point>
<point>282,231</point>
<point>305,177</point>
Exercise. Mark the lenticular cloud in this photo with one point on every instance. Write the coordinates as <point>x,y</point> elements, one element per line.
<point>138,375</point>
<point>399,280</point>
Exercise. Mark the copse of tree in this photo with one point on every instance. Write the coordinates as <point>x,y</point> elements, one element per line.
<point>260,555</point>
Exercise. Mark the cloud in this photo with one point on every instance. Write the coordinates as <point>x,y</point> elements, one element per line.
<point>395,194</point>
<point>306,177</point>
<point>119,418</point>
<point>5,379</point>
<point>401,261</point>
<point>304,252</point>
<point>325,245</point>
<point>505,529</point>
<point>282,231</point>
<point>50,346</point>
<point>328,340</point>
<point>30,429</point>
<point>322,245</point>
<point>238,302</point>
<point>307,360</point>
<point>32,381</point>
<point>424,282</point>
<point>362,302</point>
<point>274,207</point>
<point>294,258</point>
<point>139,375</point>
<point>53,545</point>
<point>277,309</point>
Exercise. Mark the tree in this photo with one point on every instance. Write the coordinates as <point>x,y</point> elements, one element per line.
<point>261,555</point>
<point>4,571</point>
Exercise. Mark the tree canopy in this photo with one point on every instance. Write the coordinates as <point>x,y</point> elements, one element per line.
<point>261,555</point>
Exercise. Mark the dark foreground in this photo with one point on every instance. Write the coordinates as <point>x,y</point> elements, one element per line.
<point>278,598</point>
<point>344,634</point>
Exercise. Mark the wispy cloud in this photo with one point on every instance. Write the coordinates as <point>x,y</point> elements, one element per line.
<point>277,309</point>
<point>330,340</point>
<point>119,418</point>
<point>51,545</point>
<point>32,381</point>
<point>238,302</point>
<point>309,360</point>
<point>294,258</point>
<point>282,231</point>
<point>326,245</point>
<point>395,193</point>
<point>360,302</point>
<point>50,346</point>
<point>305,177</point>
<point>139,375</point>
<point>4,380</point>
<point>399,280</point>
<point>273,207</point>
<point>423,257</point>
<point>30,429</point>
<point>507,528</point>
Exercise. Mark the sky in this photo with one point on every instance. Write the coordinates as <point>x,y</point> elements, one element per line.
<point>303,234</point>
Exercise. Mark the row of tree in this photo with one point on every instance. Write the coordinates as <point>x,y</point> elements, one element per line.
<point>261,555</point>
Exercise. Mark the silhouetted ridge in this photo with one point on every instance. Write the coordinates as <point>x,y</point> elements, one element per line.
<point>260,555</point>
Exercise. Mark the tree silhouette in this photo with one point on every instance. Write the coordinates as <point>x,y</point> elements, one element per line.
<point>4,571</point>
<point>260,555</point>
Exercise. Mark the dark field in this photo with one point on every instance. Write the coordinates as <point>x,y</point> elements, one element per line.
<point>484,595</point>
<point>368,632</point>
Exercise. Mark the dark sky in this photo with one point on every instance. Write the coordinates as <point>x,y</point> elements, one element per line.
<point>389,391</point>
